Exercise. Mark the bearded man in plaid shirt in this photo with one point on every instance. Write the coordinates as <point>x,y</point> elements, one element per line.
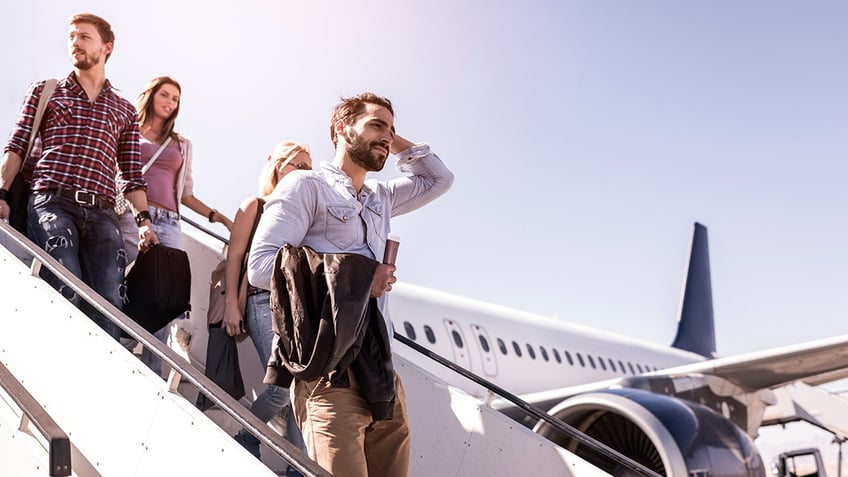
<point>88,133</point>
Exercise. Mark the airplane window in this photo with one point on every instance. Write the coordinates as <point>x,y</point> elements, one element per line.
<point>410,331</point>
<point>431,337</point>
<point>612,365</point>
<point>516,348</point>
<point>591,361</point>
<point>568,357</point>
<point>639,367</point>
<point>556,355</point>
<point>457,339</point>
<point>544,353</point>
<point>530,351</point>
<point>621,367</point>
<point>580,360</point>
<point>501,346</point>
<point>601,362</point>
<point>484,344</point>
<point>630,365</point>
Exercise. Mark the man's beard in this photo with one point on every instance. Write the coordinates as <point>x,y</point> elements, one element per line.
<point>86,62</point>
<point>362,154</point>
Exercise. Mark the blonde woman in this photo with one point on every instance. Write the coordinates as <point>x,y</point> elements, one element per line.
<point>287,157</point>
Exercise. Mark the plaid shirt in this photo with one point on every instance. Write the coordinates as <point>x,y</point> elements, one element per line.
<point>83,145</point>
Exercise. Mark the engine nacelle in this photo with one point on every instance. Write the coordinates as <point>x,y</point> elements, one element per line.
<point>671,436</point>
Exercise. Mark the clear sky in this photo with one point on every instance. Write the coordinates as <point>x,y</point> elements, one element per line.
<point>586,138</point>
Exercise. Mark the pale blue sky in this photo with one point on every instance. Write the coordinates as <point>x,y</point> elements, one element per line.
<point>586,138</point>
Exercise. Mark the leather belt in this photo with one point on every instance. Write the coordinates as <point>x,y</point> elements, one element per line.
<point>252,290</point>
<point>85,199</point>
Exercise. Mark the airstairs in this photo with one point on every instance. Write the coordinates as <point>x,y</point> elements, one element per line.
<point>75,402</point>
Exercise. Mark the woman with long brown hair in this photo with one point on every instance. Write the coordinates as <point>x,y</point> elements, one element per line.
<point>167,159</point>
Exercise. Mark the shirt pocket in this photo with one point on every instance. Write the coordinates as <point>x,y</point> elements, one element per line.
<point>59,113</point>
<point>342,228</point>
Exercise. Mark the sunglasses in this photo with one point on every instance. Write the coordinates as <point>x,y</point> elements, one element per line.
<point>300,165</point>
<point>297,165</point>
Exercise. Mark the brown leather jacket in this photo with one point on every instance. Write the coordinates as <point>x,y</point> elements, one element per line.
<point>326,323</point>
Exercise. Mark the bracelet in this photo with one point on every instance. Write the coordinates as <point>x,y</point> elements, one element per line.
<point>4,193</point>
<point>212,214</point>
<point>142,216</point>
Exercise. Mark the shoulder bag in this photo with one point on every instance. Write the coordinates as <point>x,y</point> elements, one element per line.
<point>18,196</point>
<point>222,363</point>
<point>218,281</point>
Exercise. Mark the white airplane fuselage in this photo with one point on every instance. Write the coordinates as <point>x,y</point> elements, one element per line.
<point>520,352</point>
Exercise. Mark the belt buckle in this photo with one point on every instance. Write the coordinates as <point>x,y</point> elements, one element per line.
<point>79,197</point>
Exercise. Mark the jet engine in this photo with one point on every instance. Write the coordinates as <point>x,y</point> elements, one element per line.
<point>671,436</point>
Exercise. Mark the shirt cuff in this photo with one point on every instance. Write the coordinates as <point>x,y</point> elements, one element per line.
<point>414,152</point>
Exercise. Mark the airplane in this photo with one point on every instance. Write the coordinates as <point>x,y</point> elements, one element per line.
<point>678,410</point>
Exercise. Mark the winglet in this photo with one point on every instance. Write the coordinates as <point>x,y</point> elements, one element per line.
<point>695,327</point>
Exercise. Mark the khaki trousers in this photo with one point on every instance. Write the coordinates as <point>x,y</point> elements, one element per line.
<point>341,436</point>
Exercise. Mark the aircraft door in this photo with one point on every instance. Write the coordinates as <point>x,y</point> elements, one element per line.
<point>458,344</point>
<point>487,352</point>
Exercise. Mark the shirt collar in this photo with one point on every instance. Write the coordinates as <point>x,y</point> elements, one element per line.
<point>71,79</point>
<point>331,171</point>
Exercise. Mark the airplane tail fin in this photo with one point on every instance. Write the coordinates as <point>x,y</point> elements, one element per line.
<point>696,327</point>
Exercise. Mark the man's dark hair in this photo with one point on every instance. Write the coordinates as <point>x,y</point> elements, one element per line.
<point>350,109</point>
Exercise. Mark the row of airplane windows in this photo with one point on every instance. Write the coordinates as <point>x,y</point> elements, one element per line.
<point>531,352</point>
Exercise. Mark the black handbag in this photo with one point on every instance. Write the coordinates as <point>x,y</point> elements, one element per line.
<point>18,196</point>
<point>158,287</point>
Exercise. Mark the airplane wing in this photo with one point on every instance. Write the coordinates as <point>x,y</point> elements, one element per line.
<point>813,363</point>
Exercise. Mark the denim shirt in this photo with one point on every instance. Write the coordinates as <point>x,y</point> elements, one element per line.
<point>321,210</point>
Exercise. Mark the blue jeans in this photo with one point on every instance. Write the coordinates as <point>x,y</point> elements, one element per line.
<point>166,225</point>
<point>87,242</point>
<point>274,398</point>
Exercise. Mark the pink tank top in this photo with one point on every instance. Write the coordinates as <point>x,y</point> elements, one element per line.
<point>163,175</point>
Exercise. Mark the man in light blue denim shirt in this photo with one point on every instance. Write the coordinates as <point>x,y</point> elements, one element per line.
<point>335,210</point>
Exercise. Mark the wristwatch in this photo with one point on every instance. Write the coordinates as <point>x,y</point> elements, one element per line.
<point>142,216</point>
<point>4,193</point>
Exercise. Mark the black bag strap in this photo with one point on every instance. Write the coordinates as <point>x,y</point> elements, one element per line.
<point>260,207</point>
<point>46,94</point>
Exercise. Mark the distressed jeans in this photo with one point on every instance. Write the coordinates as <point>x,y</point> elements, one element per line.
<point>87,241</point>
